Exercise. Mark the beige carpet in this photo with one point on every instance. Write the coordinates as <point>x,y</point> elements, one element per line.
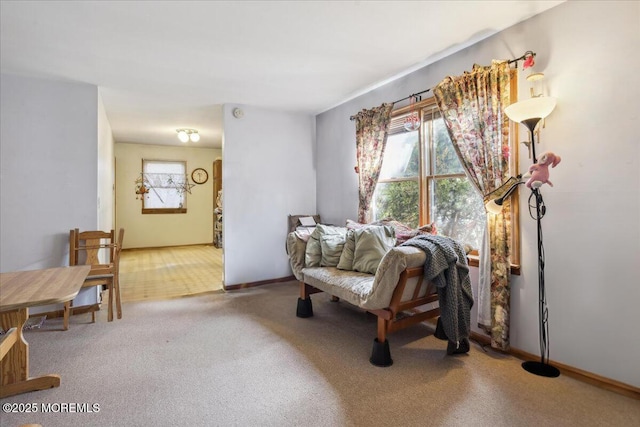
<point>244,359</point>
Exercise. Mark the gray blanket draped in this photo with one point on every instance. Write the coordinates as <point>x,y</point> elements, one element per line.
<point>446,266</point>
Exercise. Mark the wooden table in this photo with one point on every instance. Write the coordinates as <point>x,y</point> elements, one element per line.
<point>18,291</point>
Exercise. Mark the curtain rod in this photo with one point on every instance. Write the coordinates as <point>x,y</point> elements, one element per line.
<point>526,54</point>
<point>352,118</point>
<point>511,61</point>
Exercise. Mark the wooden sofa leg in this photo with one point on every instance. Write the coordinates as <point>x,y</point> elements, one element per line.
<point>380,353</point>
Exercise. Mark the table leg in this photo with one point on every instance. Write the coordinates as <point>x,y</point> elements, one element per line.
<point>14,366</point>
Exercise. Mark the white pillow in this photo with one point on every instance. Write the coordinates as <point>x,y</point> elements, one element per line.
<point>313,252</point>
<point>372,243</point>
<point>346,257</point>
<point>331,245</point>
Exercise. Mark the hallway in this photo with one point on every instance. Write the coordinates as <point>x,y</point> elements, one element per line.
<point>172,272</point>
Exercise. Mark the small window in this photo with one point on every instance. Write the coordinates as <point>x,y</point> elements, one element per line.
<point>167,184</point>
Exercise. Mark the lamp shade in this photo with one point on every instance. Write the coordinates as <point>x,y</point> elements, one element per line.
<point>183,136</point>
<point>532,108</point>
<point>494,207</point>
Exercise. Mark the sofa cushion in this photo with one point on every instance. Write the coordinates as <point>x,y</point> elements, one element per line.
<point>348,251</point>
<point>372,243</point>
<point>403,231</point>
<point>368,291</point>
<point>313,252</point>
<point>331,245</point>
<point>351,286</point>
<point>394,262</point>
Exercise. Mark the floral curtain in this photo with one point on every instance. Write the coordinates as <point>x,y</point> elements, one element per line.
<point>371,138</point>
<point>472,106</point>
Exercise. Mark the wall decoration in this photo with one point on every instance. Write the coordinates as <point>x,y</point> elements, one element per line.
<point>147,182</point>
<point>199,176</point>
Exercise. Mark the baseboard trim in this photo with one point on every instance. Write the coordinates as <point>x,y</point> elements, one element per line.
<point>570,371</point>
<point>258,283</point>
<point>169,246</point>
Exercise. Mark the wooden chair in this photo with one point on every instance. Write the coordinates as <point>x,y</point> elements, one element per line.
<point>116,283</point>
<point>86,248</point>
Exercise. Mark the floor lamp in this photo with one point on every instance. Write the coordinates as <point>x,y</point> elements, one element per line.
<point>529,113</point>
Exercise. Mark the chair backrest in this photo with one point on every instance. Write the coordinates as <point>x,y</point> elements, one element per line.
<point>118,249</point>
<point>87,247</point>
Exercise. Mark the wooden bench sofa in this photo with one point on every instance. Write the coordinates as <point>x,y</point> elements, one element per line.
<point>397,293</point>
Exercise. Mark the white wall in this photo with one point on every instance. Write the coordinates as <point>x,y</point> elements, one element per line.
<point>158,230</point>
<point>268,173</point>
<point>49,170</point>
<point>592,227</point>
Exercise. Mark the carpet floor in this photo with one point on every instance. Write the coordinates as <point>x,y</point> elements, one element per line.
<point>243,358</point>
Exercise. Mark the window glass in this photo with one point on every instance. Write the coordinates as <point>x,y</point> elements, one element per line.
<point>166,183</point>
<point>457,209</point>
<point>402,156</point>
<point>399,200</point>
<point>445,156</point>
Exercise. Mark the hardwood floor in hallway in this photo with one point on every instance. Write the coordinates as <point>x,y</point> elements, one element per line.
<point>161,273</point>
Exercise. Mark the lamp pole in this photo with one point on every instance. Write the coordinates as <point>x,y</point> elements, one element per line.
<point>542,367</point>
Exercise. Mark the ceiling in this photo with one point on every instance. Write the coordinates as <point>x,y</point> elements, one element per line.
<point>163,65</point>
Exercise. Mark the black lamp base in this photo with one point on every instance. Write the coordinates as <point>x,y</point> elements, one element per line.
<point>541,369</point>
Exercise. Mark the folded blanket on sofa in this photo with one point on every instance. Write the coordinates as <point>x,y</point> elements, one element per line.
<point>446,266</point>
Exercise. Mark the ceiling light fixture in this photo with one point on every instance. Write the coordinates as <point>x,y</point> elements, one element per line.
<point>184,135</point>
